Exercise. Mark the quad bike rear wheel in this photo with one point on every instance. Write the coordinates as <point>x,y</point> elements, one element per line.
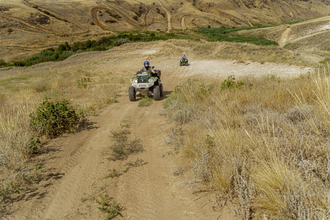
<point>132,94</point>
<point>156,93</point>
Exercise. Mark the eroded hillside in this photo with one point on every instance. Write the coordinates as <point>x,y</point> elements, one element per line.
<point>30,26</point>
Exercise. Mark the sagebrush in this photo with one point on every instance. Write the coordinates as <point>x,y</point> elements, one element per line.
<point>265,147</point>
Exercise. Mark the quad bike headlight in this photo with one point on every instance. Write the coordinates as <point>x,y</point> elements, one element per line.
<point>134,80</point>
<point>151,80</point>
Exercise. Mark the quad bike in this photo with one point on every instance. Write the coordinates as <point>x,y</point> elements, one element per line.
<point>143,85</point>
<point>184,62</point>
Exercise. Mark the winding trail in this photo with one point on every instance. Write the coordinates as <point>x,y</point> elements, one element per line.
<point>146,15</point>
<point>80,26</point>
<point>77,164</point>
<point>119,11</point>
<point>183,24</point>
<point>96,19</point>
<point>284,37</point>
<point>169,17</point>
<point>28,24</point>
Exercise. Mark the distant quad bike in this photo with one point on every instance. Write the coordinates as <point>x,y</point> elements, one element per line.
<point>145,85</point>
<point>184,62</point>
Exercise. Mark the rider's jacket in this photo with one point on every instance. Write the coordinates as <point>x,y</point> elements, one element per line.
<point>144,69</point>
<point>184,56</point>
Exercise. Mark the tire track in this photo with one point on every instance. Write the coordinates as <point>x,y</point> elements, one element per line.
<point>146,15</point>
<point>183,24</point>
<point>96,19</point>
<point>119,11</point>
<point>24,22</point>
<point>83,28</point>
<point>84,169</point>
<point>284,37</point>
<point>169,17</point>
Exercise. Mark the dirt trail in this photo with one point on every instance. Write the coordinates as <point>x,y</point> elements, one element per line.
<point>169,17</point>
<point>77,164</point>
<point>83,28</point>
<point>148,192</point>
<point>284,37</point>
<point>118,10</point>
<point>183,24</point>
<point>306,34</point>
<point>26,23</point>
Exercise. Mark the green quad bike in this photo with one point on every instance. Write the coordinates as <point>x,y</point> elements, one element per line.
<point>145,85</point>
<point>184,62</point>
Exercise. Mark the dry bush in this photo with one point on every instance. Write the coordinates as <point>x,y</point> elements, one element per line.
<point>245,52</point>
<point>23,91</point>
<point>265,146</point>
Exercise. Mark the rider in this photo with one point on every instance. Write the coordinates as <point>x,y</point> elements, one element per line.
<point>146,68</point>
<point>184,56</point>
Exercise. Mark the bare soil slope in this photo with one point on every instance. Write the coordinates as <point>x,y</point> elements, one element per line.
<point>30,26</point>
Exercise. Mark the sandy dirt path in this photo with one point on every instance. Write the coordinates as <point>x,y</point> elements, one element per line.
<point>77,164</point>
<point>119,11</point>
<point>183,24</point>
<point>284,37</point>
<point>80,26</point>
<point>147,192</point>
<point>24,22</point>
<point>169,17</point>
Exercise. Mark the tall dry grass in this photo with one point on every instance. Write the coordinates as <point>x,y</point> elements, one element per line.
<point>21,93</point>
<point>265,147</point>
<point>250,52</point>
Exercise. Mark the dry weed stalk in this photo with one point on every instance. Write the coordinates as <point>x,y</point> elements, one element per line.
<point>267,147</point>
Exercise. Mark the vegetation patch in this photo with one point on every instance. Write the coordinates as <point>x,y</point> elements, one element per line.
<point>63,51</point>
<point>145,102</point>
<point>112,209</point>
<point>122,146</point>
<point>264,145</point>
<point>137,163</point>
<point>230,35</point>
<point>292,22</point>
<point>113,173</point>
<point>53,118</point>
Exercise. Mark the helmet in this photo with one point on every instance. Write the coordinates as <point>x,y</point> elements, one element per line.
<point>146,63</point>
<point>184,54</point>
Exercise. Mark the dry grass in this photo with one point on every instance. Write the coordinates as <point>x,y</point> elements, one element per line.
<point>266,146</point>
<point>245,52</point>
<point>22,90</point>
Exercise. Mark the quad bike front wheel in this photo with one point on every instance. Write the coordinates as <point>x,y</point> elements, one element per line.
<point>161,90</point>
<point>156,93</point>
<point>131,93</point>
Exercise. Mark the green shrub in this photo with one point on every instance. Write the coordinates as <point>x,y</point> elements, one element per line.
<point>146,101</point>
<point>230,35</point>
<point>83,82</point>
<point>111,209</point>
<point>53,118</point>
<point>2,62</point>
<point>66,50</point>
<point>67,46</point>
<point>88,44</point>
<point>122,147</point>
<point>231,83</point>
<point>121,41</point>
<point>61,48</point>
